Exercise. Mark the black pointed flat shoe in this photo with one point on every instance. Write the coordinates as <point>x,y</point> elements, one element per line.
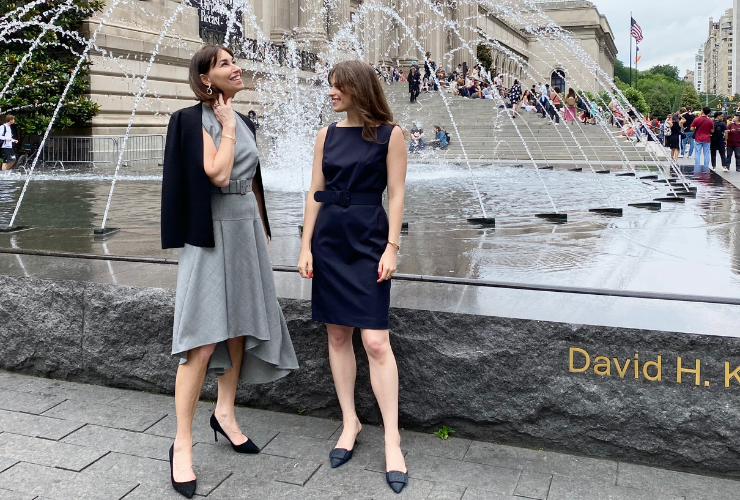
<point>397,480</point>
<point>339,456</point>
<point>246,447</point>
<point>186,489</point>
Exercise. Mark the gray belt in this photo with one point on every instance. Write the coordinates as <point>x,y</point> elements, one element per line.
<point>239,186</point>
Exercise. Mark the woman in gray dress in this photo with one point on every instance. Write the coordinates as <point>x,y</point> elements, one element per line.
<point>227,317</point>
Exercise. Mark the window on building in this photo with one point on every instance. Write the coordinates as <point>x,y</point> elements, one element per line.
<point>557,79</point>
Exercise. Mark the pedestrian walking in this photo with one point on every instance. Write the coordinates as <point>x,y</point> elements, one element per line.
<point>349,248</point>
<point>571,105</point>
<point>688,135</point>
<point>227,318</point>
<point>703,128</point>
<point>718,141</point>
<point>732,136</point>
<point>515,97</point>
<point>7,153</point>
<point>673,126</point>
<point>414,83</point>
<point>556,104</point>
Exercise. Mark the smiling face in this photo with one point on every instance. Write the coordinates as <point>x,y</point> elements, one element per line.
<point>225,76</point>
<point>340,102</point>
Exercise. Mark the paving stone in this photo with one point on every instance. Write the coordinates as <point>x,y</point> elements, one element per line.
<point>262,465</point>
<point>105,415</point>
<point>7,463</point>
<point>202,432</point>
<point>299,472</point>
<point>36,425</point>
<point>154,474</point>
<point>568,488</point>
<point>121,441</point>
<point>482,493</point>
<point>353,482</point>
<point>15,495</point>
<point>429,444</point>
<point>313,449</point>
<point>447,490</point>
<point>63,484</point>
<point>533,485</point>
<point>599,470</point>
<point>692,486</point>
<point>301,425</point>
<point>146,401</point>
<point>241,488</point>
<point>27,402</point>
<point>45,452</point>
<point>497,480</point>
<point>60,388</point>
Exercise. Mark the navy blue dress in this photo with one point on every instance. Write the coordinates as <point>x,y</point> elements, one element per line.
<point>348,241</point>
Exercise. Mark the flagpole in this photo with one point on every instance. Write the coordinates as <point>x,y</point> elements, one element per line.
<point>630,48</point>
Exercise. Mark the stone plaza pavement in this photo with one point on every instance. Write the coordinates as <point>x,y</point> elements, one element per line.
<point>69,441</point>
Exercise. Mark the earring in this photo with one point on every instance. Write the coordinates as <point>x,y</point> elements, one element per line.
<point>209,91</point>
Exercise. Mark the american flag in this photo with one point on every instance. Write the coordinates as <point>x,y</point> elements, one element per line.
<point>636,31</point>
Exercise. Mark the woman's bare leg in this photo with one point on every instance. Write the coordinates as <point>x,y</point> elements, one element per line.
<point>227,392</point>
<point>344,371</point>
<point>188,383</point>
<point>384,379</point>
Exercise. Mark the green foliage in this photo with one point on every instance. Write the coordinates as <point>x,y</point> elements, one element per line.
<point>484,56</point>
<point>444,432</point>
<point>661,88</point>
<point>36,89</point>
<point>689,98</point>
<point>634,96</point>
<point>621,72</point>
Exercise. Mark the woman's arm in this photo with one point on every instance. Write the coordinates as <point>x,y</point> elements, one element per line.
<point>396,162</point>
<point>218,163</point>
<point>318,183</point>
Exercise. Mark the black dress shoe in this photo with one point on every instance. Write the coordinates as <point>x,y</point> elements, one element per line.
<point>247,447</point>
<point>186,489</point>
<point>397,480</point>
<point>339,456</point>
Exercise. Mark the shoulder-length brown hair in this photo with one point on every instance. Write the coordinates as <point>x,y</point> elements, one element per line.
<point>358,79</point>
<point>201,63</point>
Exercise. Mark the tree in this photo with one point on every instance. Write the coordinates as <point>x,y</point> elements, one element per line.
<point>689,98</point>
<point>636,99</point>
<point>621,72</point>
<point>38,86</point>
<point>659,102</point>
<point>484,56</point>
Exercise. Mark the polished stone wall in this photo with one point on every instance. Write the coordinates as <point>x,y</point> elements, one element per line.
<point>505,380</point>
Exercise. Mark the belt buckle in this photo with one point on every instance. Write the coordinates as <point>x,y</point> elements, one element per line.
<point>243,186</point>
<point>344,198</point>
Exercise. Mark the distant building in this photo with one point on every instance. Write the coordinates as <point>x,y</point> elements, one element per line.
<point>699,70</point>
<point>689,77</point>
<point>718,75</point>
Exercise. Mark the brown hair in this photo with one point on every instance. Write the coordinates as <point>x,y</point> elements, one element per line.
<point>9,117</point>
<point>357,79</point>
<point>201,63</point>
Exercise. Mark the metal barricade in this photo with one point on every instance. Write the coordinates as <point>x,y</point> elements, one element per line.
<point>66,151</point>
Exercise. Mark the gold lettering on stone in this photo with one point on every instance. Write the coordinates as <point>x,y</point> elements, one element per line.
<point>585,367</point>
<point>658,370</point>
<point>620,370</point>
<point>728,376</point>
<point>696,371</point>
<point>603,367</point>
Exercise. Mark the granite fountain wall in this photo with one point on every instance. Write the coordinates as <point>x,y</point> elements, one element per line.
<point>655,397</point>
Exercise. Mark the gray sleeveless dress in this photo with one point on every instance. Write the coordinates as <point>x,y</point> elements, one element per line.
<point>228,291</point>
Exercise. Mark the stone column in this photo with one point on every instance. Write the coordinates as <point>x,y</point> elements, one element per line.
<point>466,16</point>
<point>280,20</point>
<point>312,24</point>
<point>407,50</point>
<point>338,16</point>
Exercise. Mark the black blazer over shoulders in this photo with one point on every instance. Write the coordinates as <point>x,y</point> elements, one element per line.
<point>186,189</point>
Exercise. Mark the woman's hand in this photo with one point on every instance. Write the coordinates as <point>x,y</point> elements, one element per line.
<point>224,112</point>
<point>387,265</point>
<point>305,264</point>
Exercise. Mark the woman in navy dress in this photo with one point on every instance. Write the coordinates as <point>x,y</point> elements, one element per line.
<point>349,248</point>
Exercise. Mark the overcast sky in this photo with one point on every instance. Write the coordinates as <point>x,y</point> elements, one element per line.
<point>672,29</point>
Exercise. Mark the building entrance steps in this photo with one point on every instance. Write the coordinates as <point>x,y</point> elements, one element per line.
<point>67,440</point>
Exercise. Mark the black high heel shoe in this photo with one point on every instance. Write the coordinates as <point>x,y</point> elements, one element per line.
<point>340,456</point>
<point>186,489</point>
<point>397,480</point>
<point>247,447</point>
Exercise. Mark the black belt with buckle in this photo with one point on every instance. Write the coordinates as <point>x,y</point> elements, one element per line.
<point>347,198</point>
<point>237,186</point>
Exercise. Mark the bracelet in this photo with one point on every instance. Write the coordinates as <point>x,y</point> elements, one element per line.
<point>394,244</point>
<point>229,137</point>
